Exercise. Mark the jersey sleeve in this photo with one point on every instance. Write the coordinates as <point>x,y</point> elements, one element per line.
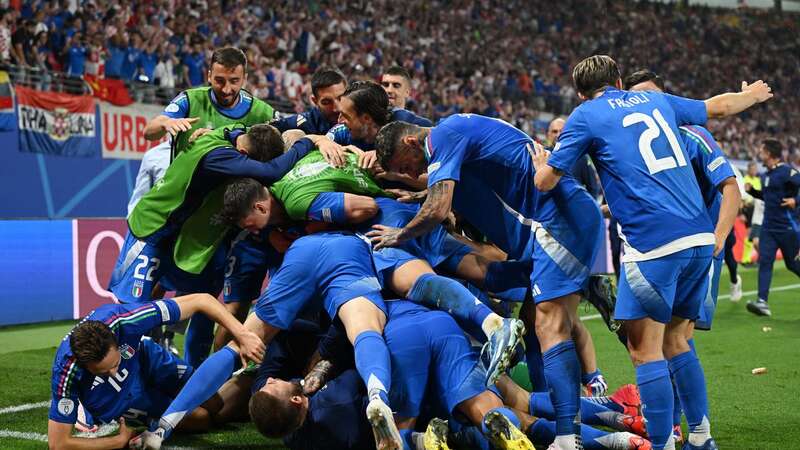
<point>572,144</point>
<point>687,111</point>
<point>288,122</point>
<point>447,150</point>
<point>340,134</point>
<point>64,391</point>
<point>227,161</point>
<point>715,166</point>
<point>288,291</point>
<point>134,321</point>
<point>178,108</point>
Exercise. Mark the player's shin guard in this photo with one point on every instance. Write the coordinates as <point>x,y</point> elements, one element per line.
<point>205,381</point>
<point>373,364</point>
<point>442,293</point>
<point>563,373</point>
<point>690,382</point>
<point>533,359</point>
<point>655,389</point>
<point>199,337</point>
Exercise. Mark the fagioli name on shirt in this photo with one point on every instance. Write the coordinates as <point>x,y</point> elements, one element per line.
<point>630,102</point>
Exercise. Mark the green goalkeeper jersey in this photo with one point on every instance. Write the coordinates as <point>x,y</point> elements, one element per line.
<point>312,176</point>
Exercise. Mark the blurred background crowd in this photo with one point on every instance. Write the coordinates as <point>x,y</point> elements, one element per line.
<point>509,59</point>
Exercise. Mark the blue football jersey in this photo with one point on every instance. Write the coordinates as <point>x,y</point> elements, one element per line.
<point>710,166</point>
<point>311,122</point>
<point>643,165</point>
<point>107,397</point>
<point>489,160</point>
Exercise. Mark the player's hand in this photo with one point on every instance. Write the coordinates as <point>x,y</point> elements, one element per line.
<point>759,91</point>
<point>719,243</point>
<point>251,347</point>
<point>597,386</point>
<point>125,433</point>
<point>538,154</point>
<point>317,377</point>
<point>383,236</point>
<point>199,132</point>
<point>149,440</point>
<point>790,203</point>
<point>332,152</point>
<point>367,160</point>
<point>175,126</point>
<point>404,196</point>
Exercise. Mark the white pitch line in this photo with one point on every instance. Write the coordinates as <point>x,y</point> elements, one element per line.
<point>23,435</point>
<point>25,407</point>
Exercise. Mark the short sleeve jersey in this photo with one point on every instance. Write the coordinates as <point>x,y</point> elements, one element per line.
<point>651,189</point>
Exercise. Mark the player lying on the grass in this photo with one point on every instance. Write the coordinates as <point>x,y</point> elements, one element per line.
<point>434,370</point>
<point>253,207</point>
<point>330,270</point>
<point>104,364</point>
<point>669,239</point>
<point>722,197</point>
<point>481,168</point>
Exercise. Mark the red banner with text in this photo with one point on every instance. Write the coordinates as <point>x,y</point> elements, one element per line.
<point>123,129</point>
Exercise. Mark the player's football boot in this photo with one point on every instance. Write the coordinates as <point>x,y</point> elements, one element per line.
<point>707,445</point>
<point>736,289</point>
<point>759,308</point>
<point>634,424</point>
<point>435,437</point>
<point>504,435</point>
<point>501,348</point>
<point>627,396</point>
<point>603,296</point>
<point>149,440</point>
<point>677,434</point>
<point>624,441</point>
<point>383,427</point>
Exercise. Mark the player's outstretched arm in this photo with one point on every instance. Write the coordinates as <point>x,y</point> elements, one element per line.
<point>432,213</point>
<point>731,103</point>
<point>250,344</point>
<point>59,437</point>
<point>161,125</point>
<point>731,199</point>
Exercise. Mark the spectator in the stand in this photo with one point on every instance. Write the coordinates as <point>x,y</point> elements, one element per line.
<point>194,64</point>
<point>165,69</point>
<point>76,55</point>
<point>148,59</point>
<point>117,50</point>
<point>6,18</point>
<point>396,81</point>
<point>22,41</point>
<point>130,65</point>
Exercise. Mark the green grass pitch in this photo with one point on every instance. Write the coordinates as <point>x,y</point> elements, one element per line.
<point>748,411</point>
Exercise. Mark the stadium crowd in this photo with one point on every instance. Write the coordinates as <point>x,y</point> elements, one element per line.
<point>512,63</point>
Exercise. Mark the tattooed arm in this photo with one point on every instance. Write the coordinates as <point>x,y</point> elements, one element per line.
<point>432,213</point>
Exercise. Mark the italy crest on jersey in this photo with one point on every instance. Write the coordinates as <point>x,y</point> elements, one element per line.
<point>126,351</point>
<point>138,287</point>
